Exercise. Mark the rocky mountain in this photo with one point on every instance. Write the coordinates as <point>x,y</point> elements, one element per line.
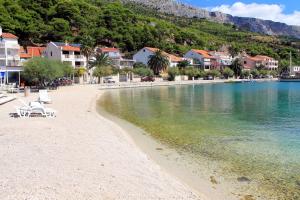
<point>252,24</point>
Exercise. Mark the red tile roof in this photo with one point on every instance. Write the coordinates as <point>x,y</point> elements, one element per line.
<point>172,57</point>
<point>203,53</point>
<point>31,52</point>
<point>9,35</point>
<point>70,48</point>
<point>106,49</point>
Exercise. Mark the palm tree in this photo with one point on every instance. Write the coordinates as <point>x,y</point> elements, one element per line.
<point>237,66</point>
<point>102,65</point>
<point>158,62</point>
<point>87,49</point>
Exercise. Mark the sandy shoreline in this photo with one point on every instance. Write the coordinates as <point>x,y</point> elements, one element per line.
<point>78,155</point>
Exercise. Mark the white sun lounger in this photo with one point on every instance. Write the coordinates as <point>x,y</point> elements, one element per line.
<point>5,99</point>
<point>34,108</point>
<point>44,97</point>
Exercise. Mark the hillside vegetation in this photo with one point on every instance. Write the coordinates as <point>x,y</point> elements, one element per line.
<point>131,27</point>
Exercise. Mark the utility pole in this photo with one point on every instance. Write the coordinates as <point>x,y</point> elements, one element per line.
<point>290,63</point>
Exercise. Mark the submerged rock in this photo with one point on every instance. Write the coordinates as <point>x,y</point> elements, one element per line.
<point>213,180</point>
<point>243,179</point>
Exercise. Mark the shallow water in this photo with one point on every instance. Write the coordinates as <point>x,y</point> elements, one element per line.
<point>251,129</point>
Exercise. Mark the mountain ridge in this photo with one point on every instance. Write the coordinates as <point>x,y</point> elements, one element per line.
<point>180,9</point>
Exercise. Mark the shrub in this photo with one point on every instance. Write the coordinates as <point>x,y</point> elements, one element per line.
<point>254,73</point>
<point>214,73</point>
<point>139,65</point>
<point>245,73</point>
<point>40,71</point>
<point>227,72</point>
<point>173,72</point>
<point>141,71</point>
<point>192,72</point>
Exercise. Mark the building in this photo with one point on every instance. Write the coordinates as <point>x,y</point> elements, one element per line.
<point>223,59</point>
<point>295,71</point>
<point>9,58</point>
<point>266,62</point>
<point>144,54</point>
<point>202,58</point>
<point>116,57</point>
<point>30,52</point>
<point>66,53</point>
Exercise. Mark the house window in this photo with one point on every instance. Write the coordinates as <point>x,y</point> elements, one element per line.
<point>144,50</point>
<point>77,64</point>
<point>51,53</point>
<point>77,53</point>
<point>245,62</point>
<point>66,52</point>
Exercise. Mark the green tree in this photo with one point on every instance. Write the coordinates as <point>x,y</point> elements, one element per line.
<point>254,73</point>
<point>141,71</point>
<point>158,62</point>
<point>102,66</point>
<point>283,66</point>
<point>79,71</point>
<point>227,72</point>
<point>41,71</point>
<point>237,67</point>
<point>87,48</point>
<point>183,64</point>
<point>103,71</point>
<point>192,72</point>
<point>214,73</point>
<point>139,65</point>
<point>245,74</point>
<point>173,72</point>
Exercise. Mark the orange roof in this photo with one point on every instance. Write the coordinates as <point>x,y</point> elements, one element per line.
<point>106,49</point>
<point>262,57</point>
<point>172,57</point>
<point>31,52</point>
<point>9,35</point>
<point>70,48</point>
<point>203,53</point>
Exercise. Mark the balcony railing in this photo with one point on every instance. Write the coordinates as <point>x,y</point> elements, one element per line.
<point>78,56</point>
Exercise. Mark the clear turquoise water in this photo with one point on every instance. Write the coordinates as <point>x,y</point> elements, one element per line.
<point>252,129</point>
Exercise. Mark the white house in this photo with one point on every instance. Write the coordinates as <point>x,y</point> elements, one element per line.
<point>9,58</point>
<point>117,59</point>
<point>144,54</point>
<point>295,70</point>
<point>223,59</point>
<point>65,52</point>
<point>201,58</point>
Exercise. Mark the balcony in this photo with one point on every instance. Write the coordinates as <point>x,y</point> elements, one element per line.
<point>79,57</point>
<point>8,45</point>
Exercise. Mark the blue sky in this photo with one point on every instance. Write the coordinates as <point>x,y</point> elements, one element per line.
<point>286,11</point>
<point>290,5</point>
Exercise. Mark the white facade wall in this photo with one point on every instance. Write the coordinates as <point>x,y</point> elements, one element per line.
<point>55,52</point>
<point>198,59</point>
<point>9,52</point>
<point>142,56</point>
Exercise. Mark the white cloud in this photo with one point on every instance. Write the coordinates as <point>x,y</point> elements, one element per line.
<point>272,12</point>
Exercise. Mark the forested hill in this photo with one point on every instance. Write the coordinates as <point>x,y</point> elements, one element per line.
<point>131,27</point>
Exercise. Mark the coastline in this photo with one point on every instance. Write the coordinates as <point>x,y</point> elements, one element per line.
<point>178,164</point>
<point>78,155</point>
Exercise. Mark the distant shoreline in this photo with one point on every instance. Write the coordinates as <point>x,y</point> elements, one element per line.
<point>169,83</point>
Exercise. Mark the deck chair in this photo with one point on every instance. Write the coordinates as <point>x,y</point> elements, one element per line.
<point>44,97</point>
